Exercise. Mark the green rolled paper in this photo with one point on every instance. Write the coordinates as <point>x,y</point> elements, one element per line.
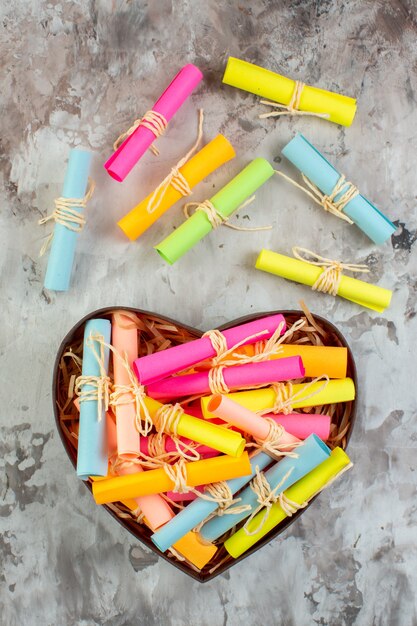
<point>225,202</point>
<point>302,491</point>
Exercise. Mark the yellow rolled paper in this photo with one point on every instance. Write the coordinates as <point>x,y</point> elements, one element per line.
<point>257,400</point>
<point>365,294</point>
<point>157,481</point>
<point>302,491</point>
<point>266,84</point>
<point>217,437</point>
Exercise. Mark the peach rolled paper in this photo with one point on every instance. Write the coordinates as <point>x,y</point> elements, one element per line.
<point>260,400</point>
<point>317,360</point>
<point>135,145</point>
<point>248,421</point>
<point>125,342</point>
<point>155,509</point>
<point>157,481</point>
<point>235,377</point>
<point>301,425</point>
<point>207,160</point>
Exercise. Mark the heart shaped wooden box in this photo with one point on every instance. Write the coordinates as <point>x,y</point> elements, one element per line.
<point>343,418</point>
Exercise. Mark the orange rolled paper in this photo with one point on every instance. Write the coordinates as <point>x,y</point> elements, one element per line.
<point>207,160</point>
<point>317,360</point>
<point>157,481</point>
<point>195,549</point>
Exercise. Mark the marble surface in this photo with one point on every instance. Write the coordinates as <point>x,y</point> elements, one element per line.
<point>76,74</point>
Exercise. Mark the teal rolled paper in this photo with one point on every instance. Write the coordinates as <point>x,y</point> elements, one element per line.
<point>92,456</point>
<point>61,255</point>
<point>227,200</point>
<point>310,454</point>
<point>321,173</point>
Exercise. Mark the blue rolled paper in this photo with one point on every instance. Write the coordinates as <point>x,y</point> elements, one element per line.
<point>321,173</point>
<point>61,256</point>
<point>310,454</point>
<point>199,509</point>
<point>92,457</point>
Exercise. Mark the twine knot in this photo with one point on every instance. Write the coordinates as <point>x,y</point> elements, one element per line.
<point>329,202</point>
<point>329,279</point>
<point>293,107</point>
<point>153,121</point>
<point>178,474</point>
<point>273,445</point>
<point>167,418</point>
<point>217,219</point>
<point>227,505</point>
<point>175,178</point>
<point>265,349</point>
<point>66,214</point>
<point>285,396</point>
<point>265,496</point>
<point>100,386</point>
<point>216,381</point>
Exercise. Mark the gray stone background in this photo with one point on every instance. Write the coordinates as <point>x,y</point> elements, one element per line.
<point>77,73</point>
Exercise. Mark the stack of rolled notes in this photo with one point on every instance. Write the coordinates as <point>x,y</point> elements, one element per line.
<point>210,435</point>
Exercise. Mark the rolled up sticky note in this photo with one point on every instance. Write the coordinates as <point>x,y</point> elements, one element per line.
<point>217,437</point>
<point>310,454</point>
<point>303,491</point>
<point>155,509</point>
<point>195,550</point>
<point>302,425</point>
<point>161,364</point>
<point>357,291</point>
<point>256,400</point>
<point>197,511</point>
<point>125,342</point>
<point>243,75</point>
<point>61,255</point>
<point>225,202</point>
<point>92,453</point>
<point>207,160</point>
<point>133,148</point>
<point>248,421</point>
<point>321,173</point>
<point>236,377</point>
<point>157,480</point>
<point>317,360</point>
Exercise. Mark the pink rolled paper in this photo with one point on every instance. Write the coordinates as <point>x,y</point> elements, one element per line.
<point>252,423</point>
<point>134,147</point>
<point>184,497</point>
<point>302,425</point>
<point>155,509</point>
<point>204,451</point>
<point>235,377</point>
<point>153,367</point>
<point>125,341</point>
